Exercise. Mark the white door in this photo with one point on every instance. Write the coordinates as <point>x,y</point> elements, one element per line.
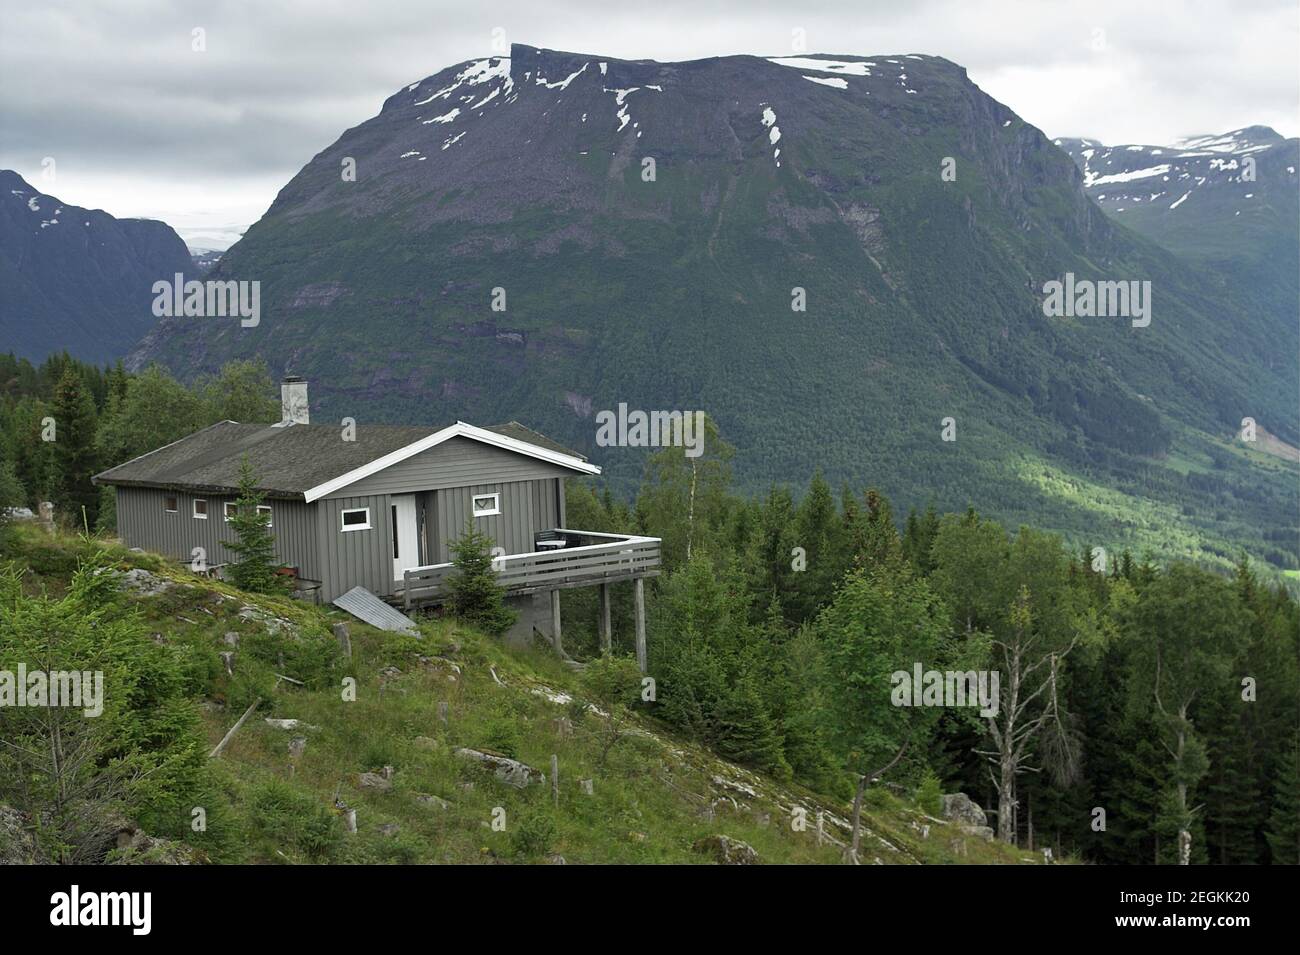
<point>406,531</point>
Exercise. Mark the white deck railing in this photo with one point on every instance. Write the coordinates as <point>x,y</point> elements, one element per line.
<point>618,557</point>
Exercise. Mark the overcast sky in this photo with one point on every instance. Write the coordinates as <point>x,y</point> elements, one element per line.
<point>139,124</point>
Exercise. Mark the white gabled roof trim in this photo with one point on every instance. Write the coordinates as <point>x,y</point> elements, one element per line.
<point>458,430</point>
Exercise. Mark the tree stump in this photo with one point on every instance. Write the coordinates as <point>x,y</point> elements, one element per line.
<point>344,637</point>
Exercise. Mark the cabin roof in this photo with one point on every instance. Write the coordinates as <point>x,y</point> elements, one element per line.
<point>308,461</point>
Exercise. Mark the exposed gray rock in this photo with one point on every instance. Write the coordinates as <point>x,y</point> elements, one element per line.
<point>288,724</point>
<point>375,781</point>
<point>509,771</point>
<point>143,582</point>
<point>725,850</point>
<point>960,808</point>
<point>17,847</point>
<point>137,847</point>
<point>274,625</point>
<point>435,801</point>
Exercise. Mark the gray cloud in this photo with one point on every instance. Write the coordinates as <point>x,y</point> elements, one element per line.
<point>140,124</point>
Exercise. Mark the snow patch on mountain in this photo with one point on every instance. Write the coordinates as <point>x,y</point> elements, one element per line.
<point>562,84</point>
<point>773,131</point>
<point>444,118</point>
<point>830,81</point>
<point>1092,179</point>
<point>810,64</point>
<point>477,73</point>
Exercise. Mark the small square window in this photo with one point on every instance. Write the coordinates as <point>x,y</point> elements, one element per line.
<point>485,505</point>
<point>231,509</point>
<point>169,505</point>
<point>200,509</point>
<point>355,519</point>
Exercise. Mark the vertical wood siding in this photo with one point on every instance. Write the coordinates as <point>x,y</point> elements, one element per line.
<point>142,522</point>
<point>458,462</point>
<point>526,507</point>
<point>356,558</point>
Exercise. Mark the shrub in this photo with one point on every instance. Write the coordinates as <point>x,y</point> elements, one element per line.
<point>141,753</point>
<point>283,814</point>
<point>502,736</point>
<point>475,595</point>
<point>929,794</point>
<point>613,684</point>
<point>532,835</point>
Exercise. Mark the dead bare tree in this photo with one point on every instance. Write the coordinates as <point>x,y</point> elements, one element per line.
<point>1181,726</point>
<point>1024,655</point>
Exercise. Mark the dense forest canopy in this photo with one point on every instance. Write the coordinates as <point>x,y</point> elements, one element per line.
<point>1146,712</point>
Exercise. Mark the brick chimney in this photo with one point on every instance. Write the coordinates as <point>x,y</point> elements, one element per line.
<point>293,400</point>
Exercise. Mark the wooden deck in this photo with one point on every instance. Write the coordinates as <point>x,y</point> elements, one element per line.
<point>587,559</point>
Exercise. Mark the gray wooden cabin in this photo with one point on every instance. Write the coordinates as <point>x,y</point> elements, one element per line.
<point>379,508</point>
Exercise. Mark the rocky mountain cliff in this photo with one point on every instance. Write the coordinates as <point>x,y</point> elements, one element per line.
<point>77,279</point>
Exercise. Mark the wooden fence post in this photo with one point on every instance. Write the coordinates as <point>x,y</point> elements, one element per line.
<point>605,635</point>
<point>640,624</point>
<point>555,622</point>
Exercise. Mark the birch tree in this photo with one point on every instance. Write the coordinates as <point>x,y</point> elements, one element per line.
<point>880,622</point>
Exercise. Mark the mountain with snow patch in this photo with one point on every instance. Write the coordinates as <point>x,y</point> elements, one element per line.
<point>1212,179</point>
<point>77,279</point>
<point>549,234</point>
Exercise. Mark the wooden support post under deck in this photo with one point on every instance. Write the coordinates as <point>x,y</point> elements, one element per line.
<point>604,618</point>
<point>639,584</point>
<point>555,622</point>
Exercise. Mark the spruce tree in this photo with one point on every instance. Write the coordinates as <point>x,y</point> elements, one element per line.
<point>476,597</point>
<point>75,457</point>
<point>747,733</point>
<point>255,569</point>
<point>1284,823</point>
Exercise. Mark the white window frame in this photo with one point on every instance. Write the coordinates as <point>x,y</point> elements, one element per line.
<point>175,499</point>
<point>194,508</point>
<point>226,505</point>
<point>344,527</point>
<point>494,510</point>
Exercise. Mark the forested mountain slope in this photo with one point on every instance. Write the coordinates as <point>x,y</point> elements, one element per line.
<point>644,229</point>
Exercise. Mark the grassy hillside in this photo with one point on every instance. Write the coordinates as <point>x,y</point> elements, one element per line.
<point>653,798</point>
